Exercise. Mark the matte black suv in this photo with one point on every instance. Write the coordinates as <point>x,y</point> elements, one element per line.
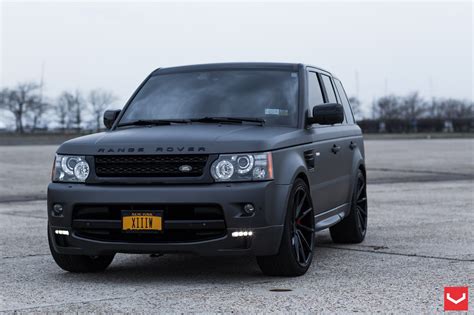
<point>220,159</point>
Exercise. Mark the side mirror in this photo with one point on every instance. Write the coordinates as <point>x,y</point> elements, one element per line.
<point>327,114</point>
<point>109,117</point>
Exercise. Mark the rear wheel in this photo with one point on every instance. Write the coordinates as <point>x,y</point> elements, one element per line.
<point>352,229</point>
<point>297,244</point>
<point>80,263</point>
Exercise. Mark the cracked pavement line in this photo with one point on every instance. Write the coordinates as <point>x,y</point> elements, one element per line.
<point>384,169</point>
<point>20,309</point>
<point>25,256</point>
<point>23,216</point>
<point>395,253</point>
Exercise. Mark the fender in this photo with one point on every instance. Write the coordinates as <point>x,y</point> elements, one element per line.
<point>290,164</point>
<point>357,162</point>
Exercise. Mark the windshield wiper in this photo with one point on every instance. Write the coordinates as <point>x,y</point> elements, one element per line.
<point>237,120</point>
<point>154,122</point>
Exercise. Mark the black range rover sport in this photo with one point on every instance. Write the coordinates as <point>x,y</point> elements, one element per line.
<point>220,159</point>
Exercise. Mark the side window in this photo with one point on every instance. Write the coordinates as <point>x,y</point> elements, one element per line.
<point>345,101</point>
<point>329,89</point>
<point>315,95</point>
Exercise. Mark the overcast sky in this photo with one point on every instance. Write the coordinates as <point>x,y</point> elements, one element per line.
<point>394,47</point>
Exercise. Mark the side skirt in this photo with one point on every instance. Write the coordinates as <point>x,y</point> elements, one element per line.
<point>329,218</point>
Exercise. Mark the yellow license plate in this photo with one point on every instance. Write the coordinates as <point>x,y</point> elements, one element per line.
<point>141,221</point>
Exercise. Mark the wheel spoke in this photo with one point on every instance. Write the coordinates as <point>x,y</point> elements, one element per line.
<point>303,227</point>
<point>304,214</point>
<point>296,245</point>
<point>303,255</point>
<point>361,218</point>
<point>357,217</point>
<point>360,191</point>
<point>361,200</point>
<point>305,242</point>
<point>362,210</point>
<point>300,203</point>
<point>364,224</point>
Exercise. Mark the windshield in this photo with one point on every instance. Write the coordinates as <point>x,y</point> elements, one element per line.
<point>271,95</point>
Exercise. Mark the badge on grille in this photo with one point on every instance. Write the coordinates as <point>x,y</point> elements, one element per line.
<point>185,168</point>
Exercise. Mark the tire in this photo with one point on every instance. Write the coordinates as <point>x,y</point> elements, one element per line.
<point>353,228</point>
<point>80,263</point>
<point>297,244</point>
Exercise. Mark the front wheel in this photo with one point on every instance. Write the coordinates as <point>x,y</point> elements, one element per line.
<point>297,244</point>
<point>80,263</point>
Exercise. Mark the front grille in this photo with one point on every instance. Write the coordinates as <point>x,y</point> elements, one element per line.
<point>150,165</point>
<point>181,223</point>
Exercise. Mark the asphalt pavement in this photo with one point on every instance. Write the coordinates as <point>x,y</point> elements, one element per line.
<point>420,239</point>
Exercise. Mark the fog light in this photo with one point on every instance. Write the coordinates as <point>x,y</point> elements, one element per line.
<point>242,233</point>
<point>249,208</point>
<point>58,209</point>
<point>61,232</point>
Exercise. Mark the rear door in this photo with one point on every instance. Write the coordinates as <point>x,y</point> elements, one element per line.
<point>352,143</point>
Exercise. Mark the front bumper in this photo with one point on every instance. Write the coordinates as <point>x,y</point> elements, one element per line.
<point>266,223</point>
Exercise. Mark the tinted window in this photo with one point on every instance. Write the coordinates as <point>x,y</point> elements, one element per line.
<point>268,94</point>
<point>315,96</point>
<point>329,89</point>
<point>345,101</point>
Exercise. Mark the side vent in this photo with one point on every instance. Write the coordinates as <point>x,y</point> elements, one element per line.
<point>309,158</point>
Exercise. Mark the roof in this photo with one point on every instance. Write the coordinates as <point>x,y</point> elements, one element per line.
<point>234,65</point>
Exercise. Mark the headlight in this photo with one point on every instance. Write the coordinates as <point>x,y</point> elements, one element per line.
<point>70,168</point>
<point>243,167</point>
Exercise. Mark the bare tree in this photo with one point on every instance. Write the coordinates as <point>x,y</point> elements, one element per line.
<point>412,107</point>
<point>3,96</point>
<point>69,109</point>
<point>99,100</point>
<point>451,108</point>
<point>20,101</point>
<point>77,109</point>
<point>387,107</point>
<point>37,112</point>
<point>61,108</point>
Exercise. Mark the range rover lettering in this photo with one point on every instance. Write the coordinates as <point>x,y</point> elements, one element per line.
<point>219,159</point>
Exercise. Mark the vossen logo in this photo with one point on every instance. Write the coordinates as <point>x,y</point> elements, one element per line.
<point>158,149</point>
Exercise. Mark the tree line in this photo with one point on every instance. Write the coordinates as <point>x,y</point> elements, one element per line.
<point>70,111</point>
<point>75,110</point>
<point>413,113</point>
<point>413,107</point>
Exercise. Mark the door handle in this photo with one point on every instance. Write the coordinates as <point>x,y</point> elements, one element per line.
<point>335,149</point>
<point>353,145</point>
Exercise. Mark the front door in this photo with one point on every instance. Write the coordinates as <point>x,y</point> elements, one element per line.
<point>330,175</point>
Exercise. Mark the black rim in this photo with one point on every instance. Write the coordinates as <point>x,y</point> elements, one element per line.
<point>302,237</point>
<point>361,204</point>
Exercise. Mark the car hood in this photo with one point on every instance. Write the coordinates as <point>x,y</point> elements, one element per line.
<point>186,139</point>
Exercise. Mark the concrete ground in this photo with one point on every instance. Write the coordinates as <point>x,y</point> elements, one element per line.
<point>420,239</point>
